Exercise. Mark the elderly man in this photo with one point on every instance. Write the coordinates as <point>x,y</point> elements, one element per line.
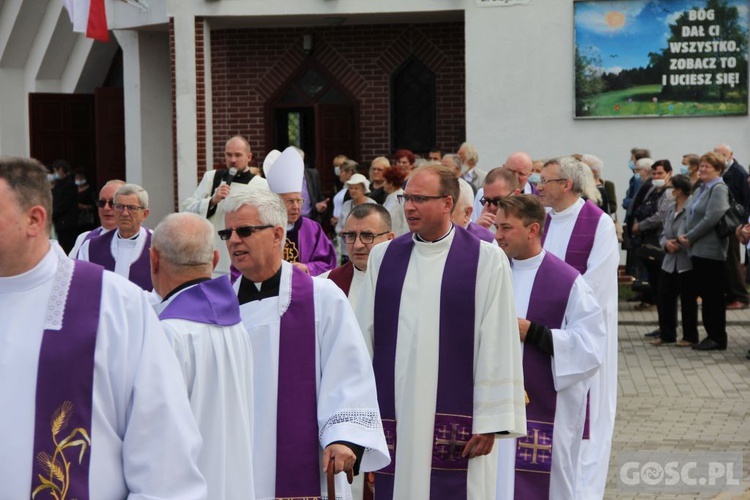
<point>314,385</point>
<point>453,162</point>
<point>520,163</point>
<point>499,183</point>
<point>125,251</point>
<point>94,401</point>
<point>201,318</point>
<point>462,213</point>
<point>367,225</point>
<point>584,236</point>
<point>563,340</point>
<point>307,246</point>
<point>438,316</point>
<point>471,173</point>
<point>216,185</point>
<point>735,177</point>
<point>106,207</point>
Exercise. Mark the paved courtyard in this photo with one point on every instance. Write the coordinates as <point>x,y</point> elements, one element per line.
<point>678,400</point>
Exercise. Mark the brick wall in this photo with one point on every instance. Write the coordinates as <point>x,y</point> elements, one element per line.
<point>249,66</point>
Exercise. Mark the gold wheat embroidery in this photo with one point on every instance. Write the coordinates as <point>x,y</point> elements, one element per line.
<point>56,467</point>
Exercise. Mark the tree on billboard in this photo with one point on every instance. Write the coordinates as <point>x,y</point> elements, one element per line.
<point>724,23</point>
<point>589,82</point>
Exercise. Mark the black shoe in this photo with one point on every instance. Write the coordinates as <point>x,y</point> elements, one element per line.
<point>709,345</point>
<point>636,298</point>
<point>654,334</point>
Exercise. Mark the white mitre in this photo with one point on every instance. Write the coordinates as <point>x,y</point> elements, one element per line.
<point>284,171</point>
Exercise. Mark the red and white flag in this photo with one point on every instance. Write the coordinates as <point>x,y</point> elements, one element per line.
<point>89,17</point>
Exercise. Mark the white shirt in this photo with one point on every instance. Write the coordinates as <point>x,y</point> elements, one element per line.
<point>125,251</point>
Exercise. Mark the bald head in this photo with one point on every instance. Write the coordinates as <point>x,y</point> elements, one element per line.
<point>520,164</point>
<point>726,151</point>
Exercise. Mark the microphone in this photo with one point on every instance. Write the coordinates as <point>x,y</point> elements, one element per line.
<point>230,177</point>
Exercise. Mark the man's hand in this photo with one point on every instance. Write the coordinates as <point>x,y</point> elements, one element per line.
<point>672,246</point>
<point>486,219</point>
<point>684,241</point>
<point>523,328</point>
<point>221,192</point>
<point>478,445</point>
<point>342,455</point>
<point>301,266</point>
<point>743,233</point>
<point>635,228</point>
<point>321,206</point>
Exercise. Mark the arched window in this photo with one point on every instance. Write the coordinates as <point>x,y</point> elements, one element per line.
<point>413,106</point>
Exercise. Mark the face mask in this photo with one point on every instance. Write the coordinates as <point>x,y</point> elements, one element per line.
<point>51,177</point>
<point>684,170</point>
<point>727,163</point>
<point>535,178</point>
<point>337,170</point>
<point>631,165</point>
<point>57,176</point>
<point>80,183</point>
<point>659,182</point>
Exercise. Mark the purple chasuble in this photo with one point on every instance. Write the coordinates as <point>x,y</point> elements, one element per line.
<point>307,243</point>
<point>582,238</point>
<point>547,303</point>
<point>93,233</point>
<point>343,276</point>
<point>297,445</point>
<point>64,392</point>
<point>211,302</point>
<point>100,252</point>
<point>455,387</point>
<point>577,255</point>
<point>480,232</point>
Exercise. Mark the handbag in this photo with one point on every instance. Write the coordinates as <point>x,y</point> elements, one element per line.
<point>650,252</point>
<point>733,217</point>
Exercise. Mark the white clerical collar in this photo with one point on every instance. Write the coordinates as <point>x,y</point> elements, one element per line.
<point>42,272</point>
<point>530,263</point>
<point>422,240</point>
<point>570,211</point>
<point>132,238</point>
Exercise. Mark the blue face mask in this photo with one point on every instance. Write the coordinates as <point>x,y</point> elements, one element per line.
<point>535,178</point>
<point>631,165</point>
<point>684,170</point>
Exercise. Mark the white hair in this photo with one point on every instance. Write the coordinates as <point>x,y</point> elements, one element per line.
<point>590,189</point>
<point>127,189</point>
<point>465,195</point>
<point>271,208</point>
<point>184,246</point>
<point>594,162</point>
<point>470,153</point>
<point>644,163</point>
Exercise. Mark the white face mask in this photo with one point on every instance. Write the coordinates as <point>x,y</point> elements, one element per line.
<point>659,182</point>
<point>80,182</point>
<point>337,170</point>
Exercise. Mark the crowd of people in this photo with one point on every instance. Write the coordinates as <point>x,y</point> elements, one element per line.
<point>433,328</point>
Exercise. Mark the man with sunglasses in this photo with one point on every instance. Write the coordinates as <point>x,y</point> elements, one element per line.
<point>106,207</point>
<point>499,183</point>
<point>584,236</point>
<point>438,316</point>
<point>125,251</point>
<point>313,382</point>
<point>367,225</point>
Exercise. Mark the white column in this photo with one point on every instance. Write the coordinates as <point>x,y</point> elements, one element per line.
<point>185,88</point>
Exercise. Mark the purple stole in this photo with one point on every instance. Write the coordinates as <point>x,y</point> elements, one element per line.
<point>480,232</point>
<point>64,391</point>
<point>455,387</point>
<point>577,255</point>
<point>547,303</point>
<point>343,276</point>
<point>582,239</point>
<point>211,302</point>
<point>100,252</point>
<point>307,243</point>
<point>93,234</point>
<point>297,445</point>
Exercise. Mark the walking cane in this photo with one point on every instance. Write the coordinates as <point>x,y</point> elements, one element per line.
<point>332,482</point>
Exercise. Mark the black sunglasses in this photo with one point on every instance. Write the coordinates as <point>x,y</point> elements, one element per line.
<point>242,232</point>
<point>104,203</point>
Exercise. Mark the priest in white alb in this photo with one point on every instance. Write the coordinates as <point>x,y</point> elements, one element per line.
<point>201,318</point>
<point>581,234</point>
<point>563,340</point>
<point>93,398</point>
<point>439,318</point>
<point>106,207</point>
<point>314,391</point>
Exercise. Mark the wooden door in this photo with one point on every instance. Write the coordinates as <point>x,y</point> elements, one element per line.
<point>110,134</point>
<point>336,133</point>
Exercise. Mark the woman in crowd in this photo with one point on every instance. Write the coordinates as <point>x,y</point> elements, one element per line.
<point>676,274</point>
<point>707,250</point>
<point>87,213</point>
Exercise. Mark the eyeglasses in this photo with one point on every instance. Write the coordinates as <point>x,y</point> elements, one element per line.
<point>119,207</point>
<point>242,231</point>
<point>491,201</point>
<point>366,238</point>
<point>292,202</point>
<point>417,199</point>
<point>542,182</point>
<point>104,203</point>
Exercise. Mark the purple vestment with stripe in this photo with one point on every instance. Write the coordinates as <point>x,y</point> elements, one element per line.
<point>100,252</point>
